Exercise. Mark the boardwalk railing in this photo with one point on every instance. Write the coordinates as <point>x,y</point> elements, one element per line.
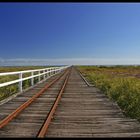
<point>47,72</point>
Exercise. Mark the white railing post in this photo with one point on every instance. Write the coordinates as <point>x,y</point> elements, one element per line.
<point>20,83</point>
<point>51,72</point>
<point>44,73</point>
<point>39,76</point>
<point>32,80</point>
<point>47,73</point>
<point>54,70</point>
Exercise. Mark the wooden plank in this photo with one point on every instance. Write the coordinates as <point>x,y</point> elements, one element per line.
<point>82,112</point>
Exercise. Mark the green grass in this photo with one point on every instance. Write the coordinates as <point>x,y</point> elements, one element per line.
<point>123,90</point>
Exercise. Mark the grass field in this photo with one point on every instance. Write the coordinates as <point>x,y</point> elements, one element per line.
<point>12,89</point>
<point>120,83</point>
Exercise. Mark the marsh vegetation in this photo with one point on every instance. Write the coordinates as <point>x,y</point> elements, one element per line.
<point>120,83</point>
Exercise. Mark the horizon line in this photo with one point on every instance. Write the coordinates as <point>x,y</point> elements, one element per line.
<point>68,61</point>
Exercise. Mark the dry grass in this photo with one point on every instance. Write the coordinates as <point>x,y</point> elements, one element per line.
<point>125,90</point>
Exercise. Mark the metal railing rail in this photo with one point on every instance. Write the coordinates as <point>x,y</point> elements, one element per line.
<point>47,72</point>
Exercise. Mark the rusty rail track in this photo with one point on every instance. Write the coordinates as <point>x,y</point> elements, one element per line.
<point>16,112</point>
<point>45,126</point>
<point>69,107</point>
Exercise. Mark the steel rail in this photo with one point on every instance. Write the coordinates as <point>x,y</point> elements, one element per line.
<point>44,128</point>
<point>15,113</point>
<point>88,84</point>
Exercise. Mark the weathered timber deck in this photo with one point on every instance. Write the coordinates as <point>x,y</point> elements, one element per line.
<point>83,111</point>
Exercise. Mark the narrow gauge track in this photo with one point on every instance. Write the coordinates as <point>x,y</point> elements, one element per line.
<point>26,115</point>
<point>82,111</point>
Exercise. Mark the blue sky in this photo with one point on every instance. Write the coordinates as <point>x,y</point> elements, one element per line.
<point>70,33</point>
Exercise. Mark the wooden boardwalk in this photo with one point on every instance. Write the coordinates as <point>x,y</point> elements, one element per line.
<point>82,112</point>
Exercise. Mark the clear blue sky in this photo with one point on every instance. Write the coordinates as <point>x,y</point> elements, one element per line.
<point>70,32</point>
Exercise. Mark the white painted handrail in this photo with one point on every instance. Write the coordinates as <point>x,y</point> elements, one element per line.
<point>49,71</point>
